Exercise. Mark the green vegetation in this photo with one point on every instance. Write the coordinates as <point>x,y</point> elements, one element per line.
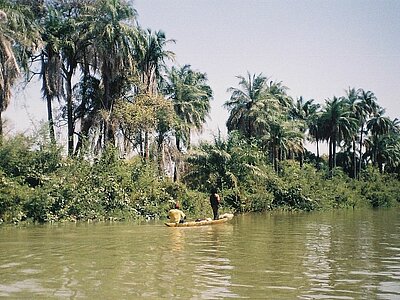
<point>38,184</point>
<point>129,119</point>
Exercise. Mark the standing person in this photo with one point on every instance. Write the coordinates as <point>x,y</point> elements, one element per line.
<point>175,215</point>
<point>215,200</point>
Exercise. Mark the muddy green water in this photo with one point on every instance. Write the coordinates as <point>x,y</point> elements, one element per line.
<point>334,255</point>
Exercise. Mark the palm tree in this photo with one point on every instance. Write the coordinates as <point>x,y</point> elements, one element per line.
<point>278,91</point>
<point>306,113</point>
<point>233,164</point>
<point>315,128</point>
<point>9,68</point>
<point>88,94</point>
<point>383,150</point>
<point>51,64</point>
<point>110,33</point>
<point>390,154</point>
<point>366,107</point>
<point>72,47</point>
<point>284,138</point>
<point>358,112</point>
<point>337,125</point>
<point>211,166</point>
<point>18,37</point>
<point>64,43</point>
<point>379,126</point>
<point>151,56</point>
<point>242,104</point>
<point>190,95</point>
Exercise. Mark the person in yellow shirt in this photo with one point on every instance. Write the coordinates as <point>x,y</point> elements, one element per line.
<point>175,215</point>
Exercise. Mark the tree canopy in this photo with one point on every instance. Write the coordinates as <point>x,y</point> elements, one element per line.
<point>121,96</point>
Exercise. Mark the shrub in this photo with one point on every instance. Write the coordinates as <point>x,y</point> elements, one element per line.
<point>379,199</point>
<point>380,190</point>
<point>13,195</point>
<point>21,158</point>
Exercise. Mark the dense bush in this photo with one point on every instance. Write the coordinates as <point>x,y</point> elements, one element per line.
<point>37,184</point>
<point>380,190</point>
<point>28,160</point>
<point>13,196</point>
<point>75,189</point>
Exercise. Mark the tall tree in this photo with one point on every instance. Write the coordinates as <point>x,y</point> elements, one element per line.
<point>284,138</point>
<point>358,112</point>
<point>151,56</point>
<point>111,33</point>
<point>306,113</point>
<point>64,43</point>
<point>88,94</point>
<point>366,107</point>
<point>18,37</point>
<point>51,64</point>
<point>338,125</point>
<point>379,126</point>
<point>240,105</point>
<point>190,95</point>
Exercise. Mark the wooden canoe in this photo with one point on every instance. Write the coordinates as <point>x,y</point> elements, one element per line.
<point>223,218</point>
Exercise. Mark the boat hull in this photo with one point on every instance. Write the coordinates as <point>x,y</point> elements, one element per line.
<point>223,219</point>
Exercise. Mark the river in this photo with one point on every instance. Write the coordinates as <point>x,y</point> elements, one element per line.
<point>342,254</point>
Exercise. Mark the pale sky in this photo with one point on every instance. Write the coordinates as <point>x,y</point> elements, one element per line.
<point>317,48</point>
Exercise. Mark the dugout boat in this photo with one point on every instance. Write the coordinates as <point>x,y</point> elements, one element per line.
<point>222,219</point>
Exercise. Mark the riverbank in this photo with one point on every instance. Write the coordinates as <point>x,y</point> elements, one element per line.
<point>43,186</point>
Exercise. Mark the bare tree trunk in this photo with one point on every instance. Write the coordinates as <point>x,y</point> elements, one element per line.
<point>333,155</point>
<point>361,142</point>
<point>50,119</point>
<point>70,119</point>
<point>301,159</point>
<point>109,136</point>
<point>83,136</point>
<point>50,86</point>
<point>176,171</point>
<point>330,156</point>
<point>380,164</point>
<point>275,157</point>
<point>1,128</point>
<point>146,145</point>
<point>178,166</point>
<point>189,141</point>
<point>161,158</point>
<point>354,159</point>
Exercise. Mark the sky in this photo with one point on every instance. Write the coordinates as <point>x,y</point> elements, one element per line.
<point>317,48</point>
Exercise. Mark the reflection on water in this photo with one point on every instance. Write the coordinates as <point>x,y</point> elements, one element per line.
<point>177,239</point>
<point>212,264</point>
<point>335,255</point>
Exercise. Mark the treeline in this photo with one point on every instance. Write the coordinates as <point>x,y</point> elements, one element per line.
<point>38,184</point>
<point>109,74</point>
<point>130,117</point>
<point>354,124</point>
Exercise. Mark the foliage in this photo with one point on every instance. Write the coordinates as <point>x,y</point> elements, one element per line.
<point>128,103</point>
<point>111,188</point>
<point>26,161</point>
<point>380,190</point>
<point>190,94</point>
<point>13,195</point>
<point>79,190</point>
